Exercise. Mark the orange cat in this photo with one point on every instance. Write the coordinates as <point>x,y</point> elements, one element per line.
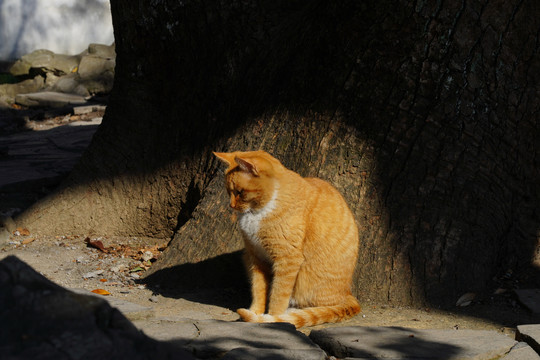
<point>301,242</point>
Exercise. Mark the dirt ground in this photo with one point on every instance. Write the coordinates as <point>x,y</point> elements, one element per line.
<point>118,265</point>
<point>78,263</point>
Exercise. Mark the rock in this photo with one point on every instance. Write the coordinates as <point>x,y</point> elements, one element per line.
<point>212,338</point>
<point>9,91</point>
<point>49,99</point>
<point>43,320</point>
<point>530,298</point>
<point>23,65</point>
<point>104,51</point>
<point>403,343</point>
<point>99,85</point>
<point>91,72</point>
<point>92,66</point>
<point>521,351</point>
<point>529,334</point>
<point>47,61</point>
<point>70,84</point>
<point>274,354</point>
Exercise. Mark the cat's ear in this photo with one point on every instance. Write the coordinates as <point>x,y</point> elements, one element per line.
<point>247,166</point>
<point>227,158</point>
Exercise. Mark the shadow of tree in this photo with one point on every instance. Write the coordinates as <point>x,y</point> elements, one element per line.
<point>220,281</point>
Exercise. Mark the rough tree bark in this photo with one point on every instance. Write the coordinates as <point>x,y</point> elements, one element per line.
<point>424,114</point>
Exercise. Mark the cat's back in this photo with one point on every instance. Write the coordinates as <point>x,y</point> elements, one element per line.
<point>324,190</point>
<point>327,205</point>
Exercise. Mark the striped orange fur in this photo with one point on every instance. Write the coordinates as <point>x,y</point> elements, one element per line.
<point>301,242</point>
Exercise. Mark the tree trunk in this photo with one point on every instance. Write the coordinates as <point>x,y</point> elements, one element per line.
<point>424,115</point>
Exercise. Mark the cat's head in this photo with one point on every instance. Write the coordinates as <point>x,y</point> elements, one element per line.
<point>250,178</point>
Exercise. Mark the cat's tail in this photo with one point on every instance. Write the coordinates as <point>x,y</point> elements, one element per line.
<point>307,316</point>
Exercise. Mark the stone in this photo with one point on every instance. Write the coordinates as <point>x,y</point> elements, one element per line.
<point>49,99</point>
<point>274,354</point>
<point>530,298</point>
<point>45,60</point>
<point>101,50</point>
<point>92,66</point>
<point>213,338</point>
<point>521,351</point>
<point>89,73</point>
<point>529,334</point>
<point>99,85</point>
<point>403,343</point>
<point>70,84</point>
<point>43,320</point>
<point>23,65</point>
<point>10,91</point>
<point>51,80</point>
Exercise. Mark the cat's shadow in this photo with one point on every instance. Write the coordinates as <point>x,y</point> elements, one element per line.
<point>219,281</point>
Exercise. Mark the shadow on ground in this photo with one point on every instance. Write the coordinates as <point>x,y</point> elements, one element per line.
<point>219,281</point>
<point>222,281</point>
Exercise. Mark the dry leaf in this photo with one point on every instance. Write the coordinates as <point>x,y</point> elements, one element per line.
<point>103,280</point>
<point>101,292</point>
<point>466,299</point>
<point>27,241</point>
<point>95,244</point>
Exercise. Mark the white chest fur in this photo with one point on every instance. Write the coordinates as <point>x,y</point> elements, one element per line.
<point>250,223</point>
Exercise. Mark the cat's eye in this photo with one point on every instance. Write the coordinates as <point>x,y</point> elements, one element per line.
<point>238,192</point>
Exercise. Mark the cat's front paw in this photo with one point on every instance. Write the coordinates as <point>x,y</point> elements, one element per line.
<point>247,315</point>
<point>257,310</point>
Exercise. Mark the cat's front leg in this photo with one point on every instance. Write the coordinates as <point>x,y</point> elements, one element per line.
<point>259,290</point>
<point>285,273</point>
<point>260,278</point>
